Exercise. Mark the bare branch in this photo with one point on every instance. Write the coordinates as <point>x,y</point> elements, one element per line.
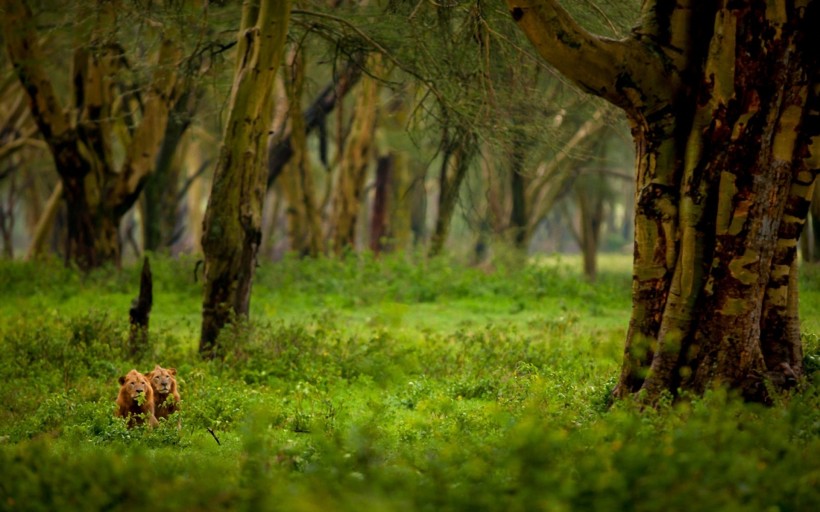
<point>623,72</point>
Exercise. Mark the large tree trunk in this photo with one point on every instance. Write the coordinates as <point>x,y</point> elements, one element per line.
<point>97,195</point>
<point>232,231</point>
<point>723,104</point>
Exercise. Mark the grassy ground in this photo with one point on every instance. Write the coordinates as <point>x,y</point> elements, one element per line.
<point>378,385</point>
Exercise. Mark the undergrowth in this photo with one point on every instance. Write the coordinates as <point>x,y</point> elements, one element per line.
<point>376,385</point>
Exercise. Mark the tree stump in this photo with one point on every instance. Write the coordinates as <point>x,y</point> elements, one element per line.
<point>139,312</point>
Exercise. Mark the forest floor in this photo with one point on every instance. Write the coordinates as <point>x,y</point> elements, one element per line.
<point>379,385</point>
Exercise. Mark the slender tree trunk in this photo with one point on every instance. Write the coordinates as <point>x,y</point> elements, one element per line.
<point>813,241</point>
<point>7,218</point>
<point>358,150</point>
<point>724,110</point>
<point>140,312</point>
<point>400,208</point>
<point>518,216</point>
<point>591,212</point>
<point>454,166</point>
<point>379,227</point>
<point>304,223</point>
<point>45,223</point>
<point>554,178</point>
<point>418,207</point>
<point>161,188</point>
<point>279,154</point>
<point>233,218</point>
<point>399,185</point>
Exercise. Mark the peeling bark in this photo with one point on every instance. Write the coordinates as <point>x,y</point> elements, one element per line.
<point>722,99</point>
<point>97,194</point>
<point>232,225</point>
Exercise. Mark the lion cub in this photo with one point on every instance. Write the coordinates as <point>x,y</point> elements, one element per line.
<point>136,399</point>
<point>166,396</point>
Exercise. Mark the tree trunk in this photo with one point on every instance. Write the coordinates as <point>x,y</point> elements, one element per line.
<point>140,312</point>
<point>379,228</point>
<point>7,218</point>
<point>279,154</point>
<point>400,207</point>
<point>97,195</point>
<point>813,252</point>
<point>358,149</point>
<point>591,212</point>
<point>723,104</point>
<point>233,217</point>
<point>161,188</point>
<point>518,188</point>
<point>45,223</point>
<point>418,206</point>
<point>454,165</point>
<point>304,223</point>
<point>554,178</point>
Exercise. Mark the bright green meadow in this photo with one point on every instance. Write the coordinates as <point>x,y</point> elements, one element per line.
<point>379,385</point>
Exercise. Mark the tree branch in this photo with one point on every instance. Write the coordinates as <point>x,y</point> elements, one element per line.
<point>140,161</point>
<point>280,154</point>
<point>44,223</point>
<point>24,51</point>
<point>623,72</point>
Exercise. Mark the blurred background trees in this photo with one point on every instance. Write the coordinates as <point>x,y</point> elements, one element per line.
<point>420,127</point>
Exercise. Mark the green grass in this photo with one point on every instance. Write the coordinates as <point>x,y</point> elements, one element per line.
<point>378,385</point>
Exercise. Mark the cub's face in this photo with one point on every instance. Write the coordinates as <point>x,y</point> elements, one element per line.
<point>134,384</point>
<point>162,379</point>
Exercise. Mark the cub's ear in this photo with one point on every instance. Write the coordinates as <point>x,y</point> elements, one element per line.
<point>122,380</point>
<point>172,371</point>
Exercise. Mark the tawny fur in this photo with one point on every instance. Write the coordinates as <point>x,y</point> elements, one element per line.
<point>166,396</point>
<point>134,384</point>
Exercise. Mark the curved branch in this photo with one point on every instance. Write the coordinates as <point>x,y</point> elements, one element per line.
<point>378,47</point>
<point>24,51</point>
<point>140,160</point>
<point>624,72</point>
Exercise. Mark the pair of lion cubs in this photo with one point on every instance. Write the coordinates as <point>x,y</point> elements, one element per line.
<point>158,390</point>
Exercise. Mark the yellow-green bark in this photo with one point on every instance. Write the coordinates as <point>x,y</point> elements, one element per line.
<point>232,234</point>
<point>97,194</point>
<point>304,223</point>
<point>358,152</point>
<point>723,122</point>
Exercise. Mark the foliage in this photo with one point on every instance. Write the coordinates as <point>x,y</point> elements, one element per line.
<point>380,384</point>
